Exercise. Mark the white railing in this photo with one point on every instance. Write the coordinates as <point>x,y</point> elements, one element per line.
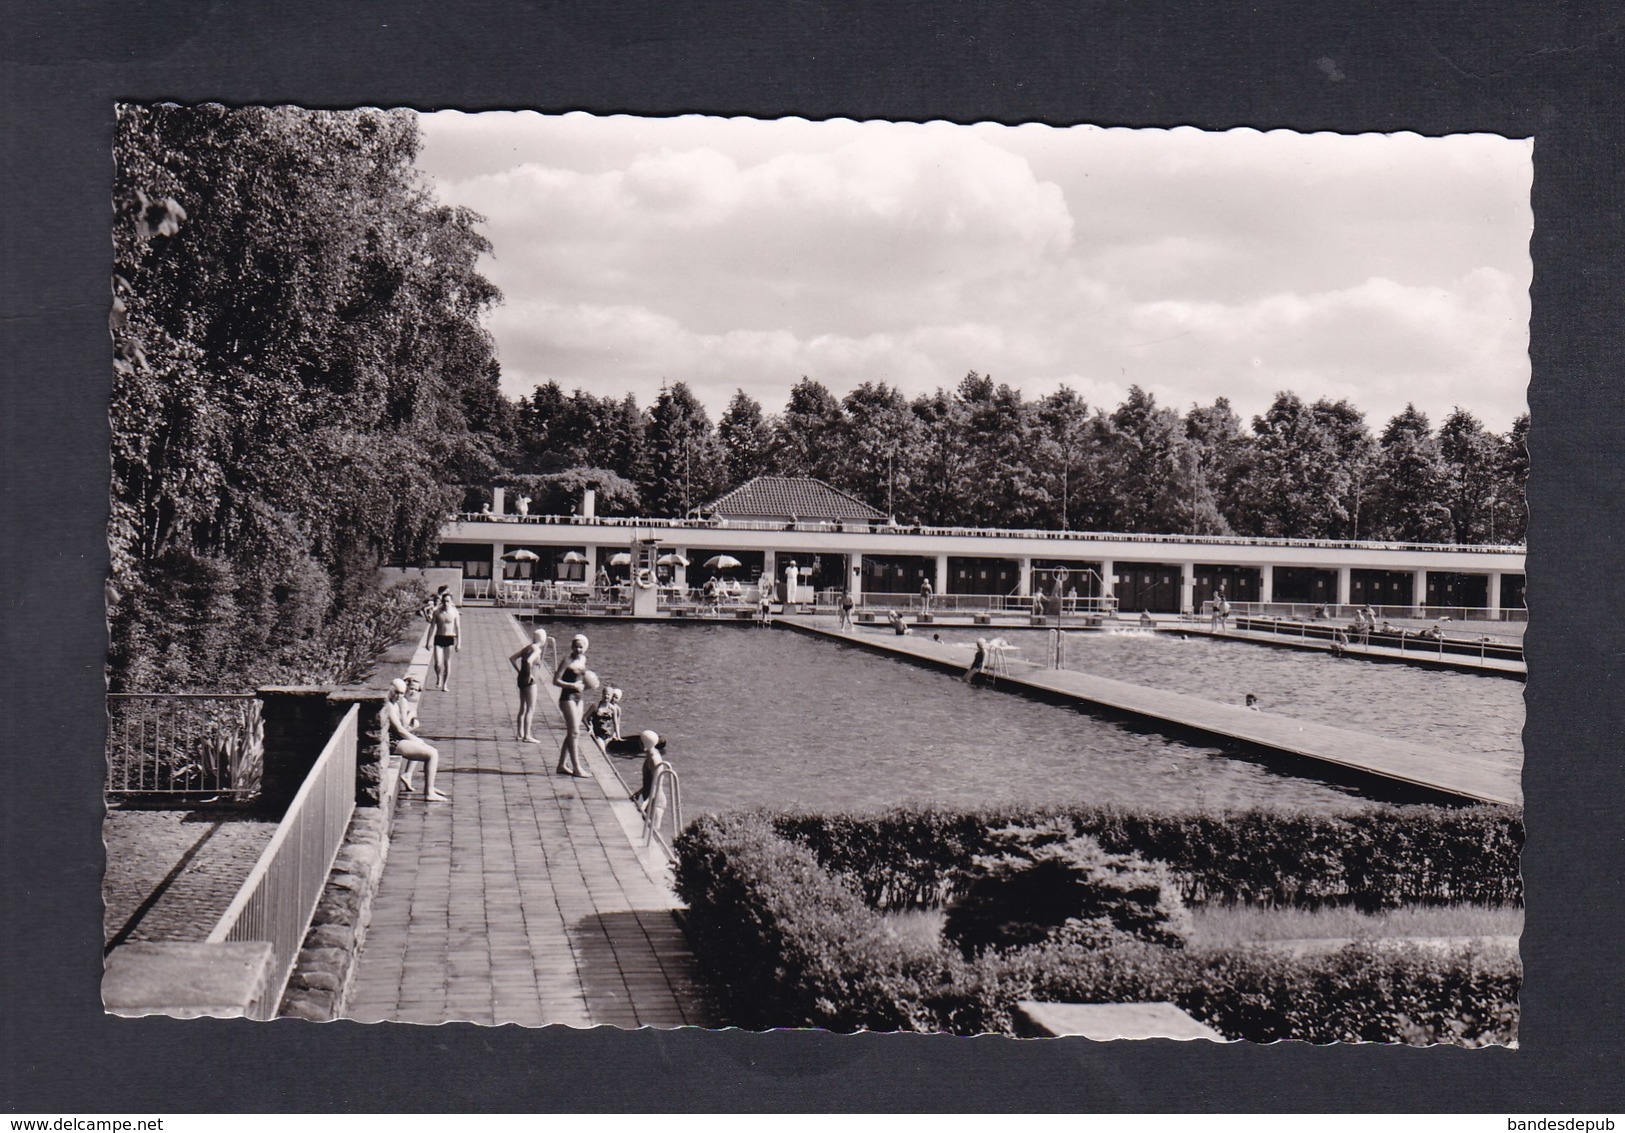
<point>276,902</point>
<point>816,527</point>
<point>191,744</point>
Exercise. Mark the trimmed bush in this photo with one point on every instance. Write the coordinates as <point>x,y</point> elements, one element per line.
<point>1378,856</point>
<point>1046,884</point>
<point>791,943</point>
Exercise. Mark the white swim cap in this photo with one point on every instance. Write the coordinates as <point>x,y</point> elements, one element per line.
<point>650,737</point>
<point>398,685</point>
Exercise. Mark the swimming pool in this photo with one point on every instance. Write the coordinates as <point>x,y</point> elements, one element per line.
<point>1464,712</point>
<point>761,717</point>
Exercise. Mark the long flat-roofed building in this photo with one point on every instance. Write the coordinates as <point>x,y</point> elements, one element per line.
<point>839,542</point>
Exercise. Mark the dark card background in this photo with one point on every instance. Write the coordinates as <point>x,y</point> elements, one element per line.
<point>1555,73</point>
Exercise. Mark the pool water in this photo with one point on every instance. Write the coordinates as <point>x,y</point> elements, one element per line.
<point>1461,712</point>
<point>769,717</point>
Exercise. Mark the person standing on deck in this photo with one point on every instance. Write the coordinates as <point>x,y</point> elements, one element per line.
<point>790,573</point>
<point>444,626</point>
<point>925,595</point>
<point>571,680</point>
<point>845,606</point>
<point>528,663</point>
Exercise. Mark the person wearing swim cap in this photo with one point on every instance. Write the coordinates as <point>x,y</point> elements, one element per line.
<point>653,756</point>
<point>409,746</point>
<point>571,680</point>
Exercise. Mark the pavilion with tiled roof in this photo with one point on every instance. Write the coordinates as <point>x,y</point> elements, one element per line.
<point>792,498</point>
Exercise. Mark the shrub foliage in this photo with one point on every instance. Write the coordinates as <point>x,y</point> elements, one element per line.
<point>792,935</point>
<point>1378,856</point>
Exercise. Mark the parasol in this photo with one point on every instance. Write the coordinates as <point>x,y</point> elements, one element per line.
<point>521,556</point>
<point>672,558</point>
<point>573,557</point>
<point>620,558</point>
<point>722,562</point>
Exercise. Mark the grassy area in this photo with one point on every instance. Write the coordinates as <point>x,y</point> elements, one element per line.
<point>1222,926</point>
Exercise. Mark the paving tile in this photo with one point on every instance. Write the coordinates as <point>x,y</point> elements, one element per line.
<point>521,901</point>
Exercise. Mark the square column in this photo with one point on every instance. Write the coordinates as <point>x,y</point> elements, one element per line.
<point>1187,588</point>
<point>854,575</point>
<point>497,551</point>
<point>1345,585</point>
<point>770,573</point>
<point>591,569</point>
<point>1024,584</point>
<point>1108,578</point>
<point>1419,591</point>
<point>1494,599</point>
<point>940,582</point>
<point>1266,583</point>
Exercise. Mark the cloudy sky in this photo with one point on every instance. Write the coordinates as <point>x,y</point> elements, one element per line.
<point>733,253</point>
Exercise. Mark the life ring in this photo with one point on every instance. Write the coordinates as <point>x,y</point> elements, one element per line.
<point>645,579</point>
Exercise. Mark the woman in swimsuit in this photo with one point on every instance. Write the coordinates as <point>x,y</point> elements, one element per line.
<point>605,720</point>
<point>571,680</point>
<point>527,663</point>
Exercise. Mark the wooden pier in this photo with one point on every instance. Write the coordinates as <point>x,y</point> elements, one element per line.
<point>1468,777</point>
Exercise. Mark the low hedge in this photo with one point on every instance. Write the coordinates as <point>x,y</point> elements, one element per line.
<point>791,943</point>
<point>1374,857</point>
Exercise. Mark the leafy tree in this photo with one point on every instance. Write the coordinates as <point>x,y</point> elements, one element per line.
<point>1295,482</point>
<point>1412,481</point>
<point>1067,449</point>
<point>1510,516</point>
<point>1473,461</point>
<point>1356,453</point>
<point>811,421</point>
<point>747,439</point>
<point>685,457</point>
<point>942,464</point>
<point>1221,449</point>
<point>298,347</point>
<point>1005,489</point>
<point>1156,471</point>
<point>882,436</point>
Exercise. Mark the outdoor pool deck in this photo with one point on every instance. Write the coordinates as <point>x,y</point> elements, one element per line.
<point>529,898</point>
<point>1431,769</point>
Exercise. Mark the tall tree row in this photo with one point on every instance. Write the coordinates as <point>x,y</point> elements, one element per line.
<point>980,454</point>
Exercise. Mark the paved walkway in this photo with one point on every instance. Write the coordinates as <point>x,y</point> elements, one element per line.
<point>528,898</point>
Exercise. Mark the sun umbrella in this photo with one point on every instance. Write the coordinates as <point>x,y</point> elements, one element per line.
<point>672,558</point>
<point>521,556</point>
<point>573,557</point>
<point>620,558</point>
<point>722,562</point>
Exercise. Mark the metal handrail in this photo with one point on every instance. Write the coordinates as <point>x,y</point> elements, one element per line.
<point>167,744</point>
<point>667,784</point>
<point>277,900</point>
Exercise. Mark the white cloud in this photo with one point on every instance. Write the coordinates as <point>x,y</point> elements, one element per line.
<point>740,254</point>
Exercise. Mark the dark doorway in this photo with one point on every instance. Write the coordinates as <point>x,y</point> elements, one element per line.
<point>983,576</point>
<point>897,574</point>
<point>1446,588</point>
<point>1381,587</point>
<point>1236,583</point>
<point>1151,587</point>
<point>1305,584</point>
